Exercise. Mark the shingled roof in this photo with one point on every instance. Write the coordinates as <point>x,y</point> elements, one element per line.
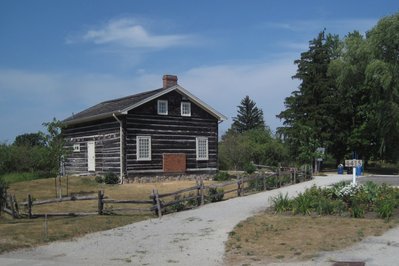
<point>123,105</point>
<point>107,108</point>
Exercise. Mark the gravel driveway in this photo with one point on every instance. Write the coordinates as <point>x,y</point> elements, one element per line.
<point>184,238</point>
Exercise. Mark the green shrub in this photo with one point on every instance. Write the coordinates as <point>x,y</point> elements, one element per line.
<point>222,176</point>
<point>272,182</point>
<point>99,179</point>
<point>281,203</point>
<point>385,207</point>
<point>178,206</point>
<point>324,206</point>
<point>255,184</point>
<point>339,207</point>
<point>302,204</point>
<point>250,168</point>
<point>372,190</point>
<point>191,200</point>
<point>215,194</point>
<point>111,178</point>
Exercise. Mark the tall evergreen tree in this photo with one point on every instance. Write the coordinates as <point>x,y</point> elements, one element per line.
<point>307,120</point>
<point>249,116</point>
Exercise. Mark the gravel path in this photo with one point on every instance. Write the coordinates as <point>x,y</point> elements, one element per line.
<point>195,236</point>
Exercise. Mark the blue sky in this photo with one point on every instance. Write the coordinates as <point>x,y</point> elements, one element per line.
<point>59,57</point>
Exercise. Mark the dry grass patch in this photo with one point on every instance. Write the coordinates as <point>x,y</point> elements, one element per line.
<point>285,238</point>
<point>27,233</point>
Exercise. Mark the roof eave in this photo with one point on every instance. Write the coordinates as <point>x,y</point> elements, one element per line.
<point>91,118</point>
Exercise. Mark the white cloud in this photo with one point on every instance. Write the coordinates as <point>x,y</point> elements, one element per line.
<point>130,33</point>
<point>338,26</point>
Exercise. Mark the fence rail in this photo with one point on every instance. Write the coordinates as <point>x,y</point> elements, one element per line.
<point>197,195</point>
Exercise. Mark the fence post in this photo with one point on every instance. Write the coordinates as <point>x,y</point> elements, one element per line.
<point>100,202</point>
<point>158,204</point>
<point>16,206</point>
<point>198,192</point>
<point>45,227</point>
<point>11,203</point>
<point>154,202</point>
<point>264,182</point>
<point>29,206</point>
<point>202,191</point>
<point>239,187</point>
<point>295,170</point>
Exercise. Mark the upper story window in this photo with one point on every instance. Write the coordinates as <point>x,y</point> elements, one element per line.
<point>185,108</point>
<point>143,148</point>
<point>202,148</point>
<point>162,107</point>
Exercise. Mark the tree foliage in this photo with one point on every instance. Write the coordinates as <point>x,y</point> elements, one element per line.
<point>249,116</point>
<point>34,152</point>
<point>348,98</point>
<point>30,139</point>
<point>236,150</point>
<point>307,120</point>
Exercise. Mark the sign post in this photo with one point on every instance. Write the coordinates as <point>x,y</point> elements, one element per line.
<point>354,164</point>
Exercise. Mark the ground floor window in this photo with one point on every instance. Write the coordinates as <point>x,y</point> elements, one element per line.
<point>202,148</point>
<point>144,148</point>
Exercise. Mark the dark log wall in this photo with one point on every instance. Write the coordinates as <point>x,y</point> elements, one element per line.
<point>105,133</point>
<point>170,133</point>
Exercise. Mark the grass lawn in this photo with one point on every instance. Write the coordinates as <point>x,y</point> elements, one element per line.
<point>27,233</point>
<point>267,238</point>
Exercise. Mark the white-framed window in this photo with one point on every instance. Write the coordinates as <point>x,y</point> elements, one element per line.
<point>162,107</point>
<point>76,147</point>
<point>143,148</point>
<point>185,108</point>
<point>202,148</point>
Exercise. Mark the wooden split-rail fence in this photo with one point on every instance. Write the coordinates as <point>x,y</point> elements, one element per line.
<point>200,194</point>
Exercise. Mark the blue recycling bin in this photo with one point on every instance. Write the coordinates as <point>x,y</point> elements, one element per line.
<point>359,170</point>
<point>340,169</point>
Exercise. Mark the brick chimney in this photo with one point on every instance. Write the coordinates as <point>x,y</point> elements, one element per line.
<point>169,81</point>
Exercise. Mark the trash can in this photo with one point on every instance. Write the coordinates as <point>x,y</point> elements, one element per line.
<point>340,169</point>
<point>359,170</point>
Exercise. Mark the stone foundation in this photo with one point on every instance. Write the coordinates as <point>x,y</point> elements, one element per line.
<point>165,178</point>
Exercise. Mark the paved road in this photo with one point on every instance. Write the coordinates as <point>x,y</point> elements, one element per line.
<point>184,238</point>
<point>380,179</point>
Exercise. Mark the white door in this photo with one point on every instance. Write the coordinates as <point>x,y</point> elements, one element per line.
<point>91,156</point>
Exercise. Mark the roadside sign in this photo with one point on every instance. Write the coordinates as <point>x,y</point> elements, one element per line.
<point>353,163</point>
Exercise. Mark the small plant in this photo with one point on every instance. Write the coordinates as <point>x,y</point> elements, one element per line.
<point>281,203</point>
<point>324,206</point>
<point>222,176</point>
<point>357,209</point>
<point>111,178</point>
<point>256,184</point>
<point>191,200</point>
<point>250,168</point>
<point>178,206</point>
<point>302,204</point>
<point>272,182</point>
<point>215,194</point>
<point>99,179</point>
<point>385,207</point>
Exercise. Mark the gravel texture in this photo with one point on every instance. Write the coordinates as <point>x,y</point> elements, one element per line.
<point>184,238</point>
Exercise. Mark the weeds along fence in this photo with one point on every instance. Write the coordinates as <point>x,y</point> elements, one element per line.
<point>162,203</point>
